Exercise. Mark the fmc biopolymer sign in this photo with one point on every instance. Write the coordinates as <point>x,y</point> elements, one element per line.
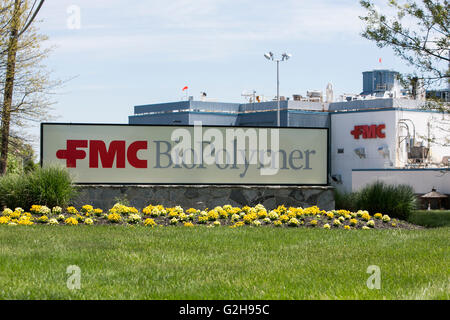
<point>186,154</point>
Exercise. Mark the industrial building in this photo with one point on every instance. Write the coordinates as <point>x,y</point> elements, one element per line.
<point>378,135</point>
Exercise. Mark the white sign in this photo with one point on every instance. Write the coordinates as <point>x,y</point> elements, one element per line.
<point>135,154</point>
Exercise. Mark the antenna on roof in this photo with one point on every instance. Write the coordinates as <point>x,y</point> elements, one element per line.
<point>250,96</point>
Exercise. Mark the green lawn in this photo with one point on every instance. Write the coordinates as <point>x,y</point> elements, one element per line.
<point>431,219</point>
<point>119,262</point>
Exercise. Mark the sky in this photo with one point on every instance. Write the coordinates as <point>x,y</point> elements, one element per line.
<point>122,53</point>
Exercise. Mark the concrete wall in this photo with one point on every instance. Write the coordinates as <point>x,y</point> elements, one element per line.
<point>206,196</point>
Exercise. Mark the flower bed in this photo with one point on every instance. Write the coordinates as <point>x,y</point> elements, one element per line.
<point>233,217</point>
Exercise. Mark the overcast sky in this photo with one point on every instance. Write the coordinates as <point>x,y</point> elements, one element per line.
<point>131,52</point>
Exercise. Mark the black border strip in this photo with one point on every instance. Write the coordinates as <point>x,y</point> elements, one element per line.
<point>187,126</point>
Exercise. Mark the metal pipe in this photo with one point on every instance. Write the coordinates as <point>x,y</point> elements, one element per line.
<point>278,93</point>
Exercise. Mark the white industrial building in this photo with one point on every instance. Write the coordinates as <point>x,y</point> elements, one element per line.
<point>393,140</point>
<point>381,134</point>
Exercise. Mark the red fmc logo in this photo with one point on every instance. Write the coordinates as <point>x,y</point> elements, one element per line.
<point>369,132</point>
<point>97,149</point>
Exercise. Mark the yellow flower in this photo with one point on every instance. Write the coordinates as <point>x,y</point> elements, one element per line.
<point>277,223</point>
<point>249,217</point>
<point>365,216</point>
<point>35,208</point>
<point>4,220</point>
<point>238,224</point>
<point>147,210</point>
<point>87,208</point>
<point>72,210</point>
<point>291,214</point>
<point>213,215</point>
<point>188,224</point>
<point>15,215</point>
<point>71,221</point>
<point>347,227</point>
<point>191,210</point>
<point>43,219</point>
<point>25,221</point>
<point>149,222</point>
<point>313,223</point>
<point>114,217</point>
<point>284,218</point>
<point>353,222</point>
<point>202,219</point>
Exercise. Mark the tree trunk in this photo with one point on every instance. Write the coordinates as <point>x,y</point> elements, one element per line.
<point>9,87</point>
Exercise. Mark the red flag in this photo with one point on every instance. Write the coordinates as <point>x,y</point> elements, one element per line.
<point>379,60</point>
<point>185,88</point>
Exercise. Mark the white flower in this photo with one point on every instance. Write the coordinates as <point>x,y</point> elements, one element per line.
<point>134,218</point>
<point>44,210</point>
<point>53,221</point>
<point>56,210</point>
<point>267,220</point>
<point>273,215</point>
<point>256,223</point>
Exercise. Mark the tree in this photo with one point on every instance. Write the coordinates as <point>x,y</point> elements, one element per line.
<point>22,76</point>
<point>418,33</point>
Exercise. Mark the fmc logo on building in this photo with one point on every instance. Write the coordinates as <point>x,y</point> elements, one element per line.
<point>369,132</point>
<point>158,154</point>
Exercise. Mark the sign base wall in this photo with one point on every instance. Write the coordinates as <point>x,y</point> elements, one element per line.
<point>206,196</point>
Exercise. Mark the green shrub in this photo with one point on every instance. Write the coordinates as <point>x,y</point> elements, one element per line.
<point>398,201</point>
<point>345,201</point>
<point>50,186</point>
<point>13,191</point>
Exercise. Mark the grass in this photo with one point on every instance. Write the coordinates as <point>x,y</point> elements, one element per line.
<point>431,219</point>
<point>120,262</point>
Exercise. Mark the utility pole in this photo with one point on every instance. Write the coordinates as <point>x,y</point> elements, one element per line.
<point>278,93</point>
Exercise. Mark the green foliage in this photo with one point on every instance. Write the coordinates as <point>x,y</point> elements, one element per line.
<point>346,201</point>
<point>431,219</point>
<point>418,33</point>
<point>14,165</point>
<point>123,200</point>
<point>397,201</point>
<point>50,186</point>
